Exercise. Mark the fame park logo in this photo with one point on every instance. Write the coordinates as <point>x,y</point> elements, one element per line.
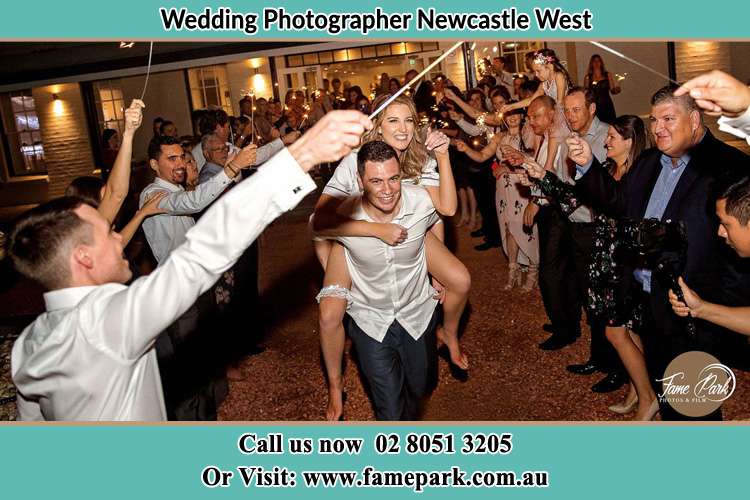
<point>696,384</point>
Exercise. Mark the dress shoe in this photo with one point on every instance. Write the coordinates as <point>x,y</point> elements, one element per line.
<point>586,368</point>
<point>611,382</point>
<point>477,233</point>
<point>486,246</point>
<point>556,342</point>
<point>625,408</point>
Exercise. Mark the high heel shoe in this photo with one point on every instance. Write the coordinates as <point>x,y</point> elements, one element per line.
<point>624,408</point>
<point>514,276</point>
<point>652,411</point>
<point>531,279</point>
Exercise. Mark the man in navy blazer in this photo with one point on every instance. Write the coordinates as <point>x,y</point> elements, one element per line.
<point>674,181</point>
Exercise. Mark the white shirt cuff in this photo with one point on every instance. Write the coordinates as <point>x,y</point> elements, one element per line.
<point>739,126</point>
<point>288,172</point>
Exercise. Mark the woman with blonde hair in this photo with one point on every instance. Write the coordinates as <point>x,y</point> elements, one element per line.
<point>396,125</point>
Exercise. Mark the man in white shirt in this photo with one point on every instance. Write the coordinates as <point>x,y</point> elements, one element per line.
<point>167,231</point>
<point>91,356</point>
<point>393,310</point>
<point>193,388</point>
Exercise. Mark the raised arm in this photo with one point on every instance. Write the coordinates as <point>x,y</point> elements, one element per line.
<point>136,315</point>
<point>599,188</point>
<point>479,156</point>
<point>443,196</point>
<point>462,104</point>
<point>192,202</point>
<point>524,103</point>
<point>118,182</point>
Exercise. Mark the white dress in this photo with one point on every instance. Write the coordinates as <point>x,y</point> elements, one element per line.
<point>560,127</point>
<point>511,199</point>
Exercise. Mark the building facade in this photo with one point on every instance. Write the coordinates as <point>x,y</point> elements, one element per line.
<point>52,121</point>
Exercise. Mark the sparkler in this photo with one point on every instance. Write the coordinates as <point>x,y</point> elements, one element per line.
<point>414,80</point>
<point>631,60</point>
<point>148,69</point>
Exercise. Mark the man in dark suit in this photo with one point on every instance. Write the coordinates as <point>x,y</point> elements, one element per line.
<point>673,181</point>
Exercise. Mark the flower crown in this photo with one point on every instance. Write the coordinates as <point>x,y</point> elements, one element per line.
<point>541,59</point>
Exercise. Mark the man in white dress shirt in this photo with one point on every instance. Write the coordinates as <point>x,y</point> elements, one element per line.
<point>193,387</point>
<point>91,356</point>
<point>392,316</point>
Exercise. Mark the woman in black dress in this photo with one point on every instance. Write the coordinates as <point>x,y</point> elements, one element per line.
<point>626,139</point>
<point>601,83</point>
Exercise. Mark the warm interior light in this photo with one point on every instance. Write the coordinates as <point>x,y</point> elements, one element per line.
<point>57,105</point>
<point>259,83</point>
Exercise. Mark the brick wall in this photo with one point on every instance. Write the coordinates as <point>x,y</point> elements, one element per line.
<point>694,58</point>
<point>65,135</point>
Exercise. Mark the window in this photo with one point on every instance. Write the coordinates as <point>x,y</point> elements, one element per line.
<point>109,106</point>
<point>209,87</point>
<point>514,53</point>
<point>23,135</point>
<point>357,53</point>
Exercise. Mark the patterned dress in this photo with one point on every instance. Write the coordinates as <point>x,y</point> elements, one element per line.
<point>607,297</point>
<point>511,199</point>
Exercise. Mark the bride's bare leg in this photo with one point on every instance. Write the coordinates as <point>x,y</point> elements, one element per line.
<point>322,251</point>
<point>451,272</point>
<point>332,308</point>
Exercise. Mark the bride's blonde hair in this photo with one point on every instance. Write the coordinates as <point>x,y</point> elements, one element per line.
<point>415,157</point>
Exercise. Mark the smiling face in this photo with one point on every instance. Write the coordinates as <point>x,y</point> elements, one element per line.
<point>170,166</point>
<point>674,127</point>
<point>617,147</point>
<point>736,234</point>
<point>513,120</point>
<point>397,127</point>
<point>103,258</point>
<point>381,183</point>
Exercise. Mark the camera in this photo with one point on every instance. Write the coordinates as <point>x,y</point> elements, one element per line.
<point>658,246</point>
